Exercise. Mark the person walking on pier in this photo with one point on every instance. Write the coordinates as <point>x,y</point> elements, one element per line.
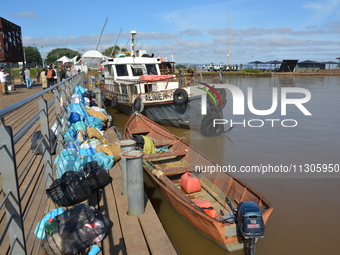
<point>3,77</point>
<point>62,74</point>
<point>55,76</point>
<point>37,74</point>
<point>22,75</point>
<point>50,76</point>
<point>43,78</point>
<point>28,78</point>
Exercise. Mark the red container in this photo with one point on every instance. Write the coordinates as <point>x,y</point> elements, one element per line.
<point>190,183</point>
<point>201,202</point>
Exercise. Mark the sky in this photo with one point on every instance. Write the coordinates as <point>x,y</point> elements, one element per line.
<point>186,31</point>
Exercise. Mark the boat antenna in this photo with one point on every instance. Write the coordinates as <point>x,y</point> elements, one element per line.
<point>100,37</point>
<point>133,34</point>
<point>114,47</point>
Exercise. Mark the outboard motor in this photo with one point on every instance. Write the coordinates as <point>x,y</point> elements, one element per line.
<point>250,223</point>
<point>249,219</point>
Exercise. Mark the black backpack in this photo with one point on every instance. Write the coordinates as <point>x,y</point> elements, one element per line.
<point>77,229</point>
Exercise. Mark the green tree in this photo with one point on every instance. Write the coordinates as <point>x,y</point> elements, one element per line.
<point>108,51</point>
<point>180,66</point>
<point>32,55</point>
<point>57,53</point>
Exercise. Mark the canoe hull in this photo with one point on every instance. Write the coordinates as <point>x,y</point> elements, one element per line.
<point>164,169</point>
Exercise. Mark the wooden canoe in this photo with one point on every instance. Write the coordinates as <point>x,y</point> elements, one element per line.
<point>166,168</point>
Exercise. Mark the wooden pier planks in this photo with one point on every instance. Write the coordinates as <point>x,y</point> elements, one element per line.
<point>143,234</point>
<point>129,235</point>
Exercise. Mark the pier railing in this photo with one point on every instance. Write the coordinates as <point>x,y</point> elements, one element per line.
<point>24,176</point>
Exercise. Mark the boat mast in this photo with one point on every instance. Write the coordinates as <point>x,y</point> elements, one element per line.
<point>100,37</point>
<point>133,33</point>
<point>228,38</point>
<point>114,47</point>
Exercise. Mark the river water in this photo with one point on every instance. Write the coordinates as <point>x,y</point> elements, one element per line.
<point>306,203</point>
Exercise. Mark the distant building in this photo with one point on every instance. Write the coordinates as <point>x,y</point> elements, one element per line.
<point>11,49</point>
<point>338,65</point>
<point>309,65</point>
<point>288,65</point>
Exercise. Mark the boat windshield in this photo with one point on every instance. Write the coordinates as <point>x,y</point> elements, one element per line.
<point>121,70</point>
<point>137,70</point>
<point>151,69</point>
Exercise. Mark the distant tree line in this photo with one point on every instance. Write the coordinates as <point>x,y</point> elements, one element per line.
<point>110,51</point>
<point>33,55</point>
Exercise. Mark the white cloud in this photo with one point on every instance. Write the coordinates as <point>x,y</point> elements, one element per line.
<point>26,14</point>
<point>323,9</point>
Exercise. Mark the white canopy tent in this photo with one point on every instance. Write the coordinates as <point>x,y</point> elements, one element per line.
<point>64,59</point>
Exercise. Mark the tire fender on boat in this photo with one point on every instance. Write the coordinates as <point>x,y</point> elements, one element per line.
<point>137,105</point>
<point>207,125</point>
<point>223,95</point>
<point>103,98</point>
<point>114,101</point>
<point>180,96</point>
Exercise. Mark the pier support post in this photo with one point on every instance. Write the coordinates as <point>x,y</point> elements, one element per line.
<point>125,145</point>
<point>98,94</point>
<point>135,182</point>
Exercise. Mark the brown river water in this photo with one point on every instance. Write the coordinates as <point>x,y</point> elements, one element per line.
<point>306,200</point>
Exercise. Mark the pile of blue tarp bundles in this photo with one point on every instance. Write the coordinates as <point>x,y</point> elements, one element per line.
<point>77,153</point>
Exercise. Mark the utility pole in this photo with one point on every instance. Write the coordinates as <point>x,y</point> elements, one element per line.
<point>228,38</point>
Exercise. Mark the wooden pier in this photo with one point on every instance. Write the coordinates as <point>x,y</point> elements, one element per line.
<point>129,234</point>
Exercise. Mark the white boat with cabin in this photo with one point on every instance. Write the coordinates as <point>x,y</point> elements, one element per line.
<point>140,82</point>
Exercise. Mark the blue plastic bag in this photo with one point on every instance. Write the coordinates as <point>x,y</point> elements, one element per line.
<point>73,117</point>
<point>79,108</point>
<point>39,230</point>
<point>87,152</point>
<point>70,135</point>
<point>94,122</point>
<point>79,90</point>
<point>79,125</point>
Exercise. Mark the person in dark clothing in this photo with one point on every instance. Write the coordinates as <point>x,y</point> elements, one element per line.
<point>37,74</point>
<point>62,74</point>
<point>50,73</point>
<point>22,75</point>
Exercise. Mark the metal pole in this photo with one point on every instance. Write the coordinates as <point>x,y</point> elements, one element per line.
<point>114,47</point>
<point>46,141</point>
<point>229,38</point>
<point>100,37</point>
<point>125,145</point>
<point>135,182</point>
<point>98,94</point>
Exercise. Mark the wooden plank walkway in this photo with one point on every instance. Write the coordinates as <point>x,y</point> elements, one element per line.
<point>129,235</point>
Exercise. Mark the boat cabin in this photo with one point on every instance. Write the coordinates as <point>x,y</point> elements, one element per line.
<point>128,74</point>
